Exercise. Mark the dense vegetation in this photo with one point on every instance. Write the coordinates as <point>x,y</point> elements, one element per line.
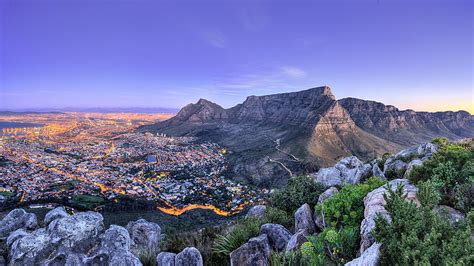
<point>419,235</point>
<point>342,214</point>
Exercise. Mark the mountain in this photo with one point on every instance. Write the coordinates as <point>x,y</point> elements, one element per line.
<point>270,136</point>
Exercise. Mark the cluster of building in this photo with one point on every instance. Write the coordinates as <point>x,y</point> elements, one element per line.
<point>105,157</point>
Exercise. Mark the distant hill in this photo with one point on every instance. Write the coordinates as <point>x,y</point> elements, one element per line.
<point>307,129</point>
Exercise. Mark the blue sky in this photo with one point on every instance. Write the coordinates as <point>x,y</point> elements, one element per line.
<point>414,54</point>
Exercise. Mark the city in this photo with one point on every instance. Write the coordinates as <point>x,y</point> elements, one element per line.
<point>89,159</point>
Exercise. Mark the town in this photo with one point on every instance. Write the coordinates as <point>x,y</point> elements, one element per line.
<point>78,157</point>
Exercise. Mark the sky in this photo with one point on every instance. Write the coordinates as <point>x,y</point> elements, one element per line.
<point>414,54</point>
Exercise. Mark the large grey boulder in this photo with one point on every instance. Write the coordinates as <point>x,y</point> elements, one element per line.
<point>278,235</point>
<point>370,257</point>
<point>79,232</point>
<point>348,170</point>
<point>14,236</point>
<point>16,219</point>
<point>165,259</point>
<point>394,168</point>
<point>257,211</point>
<point>32,248</point>
<point>144,234</point>
<point>255,252</point>
<point>374,203</point>
<point>304,219</point>
<point>327,194</point>
<point>188,257</point>
<point>376,171</point>
<point>454,216</point>
<point>401,164</point>
<point>54,214</point>
<point>296,241</point>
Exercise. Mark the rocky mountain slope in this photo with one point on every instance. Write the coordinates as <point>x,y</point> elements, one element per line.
<point>270,137</point>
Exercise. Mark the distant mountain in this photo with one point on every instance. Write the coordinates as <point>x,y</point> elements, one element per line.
<point>303,130</point>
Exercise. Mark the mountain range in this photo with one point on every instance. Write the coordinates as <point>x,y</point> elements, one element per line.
<point>275,136</point>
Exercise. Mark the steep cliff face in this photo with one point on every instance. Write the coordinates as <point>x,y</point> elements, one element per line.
<point>310,124</point>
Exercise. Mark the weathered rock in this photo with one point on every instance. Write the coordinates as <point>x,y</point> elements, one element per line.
<point>32,248</point>
<point>2,261</point>
<point>327,194</point>
<point>374,204</point>
<point>165,259</point>
<point>54,214</point>
<point>116,238</point>
<point>257,211</point>
<point>14,236</point>
<point>348,170</point>
<point>304,219</point>
<point>278,235</point>
<point>401,164</point>
<point>255,252</point>
<point>124,259</point>
<point>79,232</point>
<point>17,219</point>
<point>370,257</point>
<point>144,234</point>
<point>296,240</point>
<point>453,215</point>
<point>394,168</point>
<point>376,171</point>
<point>410,166</point>
<point>64,256</point>
<point>188,257</point>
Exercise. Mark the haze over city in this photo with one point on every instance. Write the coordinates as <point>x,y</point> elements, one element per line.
<point>57,54</point>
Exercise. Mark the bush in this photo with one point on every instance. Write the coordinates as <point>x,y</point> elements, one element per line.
<point>346,208</point>
<point>298,191</point>
<point>283,259</point>
<point>452,171</point>
<point>419,236</point>
<point>277,216</point>
<point>238,235</point>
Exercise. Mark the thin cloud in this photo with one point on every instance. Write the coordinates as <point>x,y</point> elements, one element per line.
<point>215,38</point>
<point>293,72</point>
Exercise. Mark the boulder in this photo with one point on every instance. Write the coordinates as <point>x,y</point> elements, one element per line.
<point>79,232</point>
<point>304,219</point>
<point>17,219</point>
<point>277,235</point>
<point>125,259</point>
<point>401,164</point>
<point>454,216</point>
<point>327,194</point>
<point>32,248</point>
<point>374,204</point>
<point>144,234</point>
<point>255,252</point>
<point>410,166</point>
<point>376,171</point>
<point>165,259</point>
<point>54,214</point>
<point>348,170</point>
<point>257,211</point>
<point>296,241</point>
<point>188,257</point>
<point>2,261</point>
<point>65,256</point>
<point>15,236</point>
<point>370,257</point>
<point>394,168</point>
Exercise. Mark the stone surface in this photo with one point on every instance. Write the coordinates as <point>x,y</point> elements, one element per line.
<point>165,259</point>
<point>277,234</point>
<point>327,194</point>
<point>188,257</point>
<point>376,171</point>
<point>144,234</point>
<point>304,219</point>
<point>17,219</point>
<point>370,257</point>
<point>54,214</point>
<point>374,204</point>
<point>348,170</point>
<point>410,166</point>
<point>453,215</point>
<point>296,241</point>
<point>257,211</point>
<point>255,252</point>
<point>32,248</point>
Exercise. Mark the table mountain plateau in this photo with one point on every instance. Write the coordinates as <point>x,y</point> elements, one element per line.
<point>270,137</point>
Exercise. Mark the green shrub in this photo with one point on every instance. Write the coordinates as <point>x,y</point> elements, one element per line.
<point>283,259</point>
<point>277,216</point>
<point>346,208</point>
<point>381,161</point>
<point>238,235</point>
<point>419,236</point>
<point>298,191</point>
<point>452,171</point>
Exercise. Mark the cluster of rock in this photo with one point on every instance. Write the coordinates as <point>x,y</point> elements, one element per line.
<point>80,239</point>
<point>188,257</point>
<point>349,170</point>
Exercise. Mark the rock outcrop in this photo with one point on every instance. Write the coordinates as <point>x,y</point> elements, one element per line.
<point>401,164</point>
<point>296,240</point>
<point>327,194</point>
<point>349,170</point>
<point>54,214</point>
<point>165,259</point>
<point>304,219</point>
<point>374,204</point>
<point>188,257</point>
<point>278,235</point>
<point>255,252</point>
<point>17,219</point>
<point>257,211</point>
<point>454,216</point>
<point>370,257</point>
<point>144,235</point>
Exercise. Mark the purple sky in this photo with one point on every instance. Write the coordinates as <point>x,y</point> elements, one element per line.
<point>414,54</point>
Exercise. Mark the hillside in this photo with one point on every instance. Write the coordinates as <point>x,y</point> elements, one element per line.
<point>307,129</point>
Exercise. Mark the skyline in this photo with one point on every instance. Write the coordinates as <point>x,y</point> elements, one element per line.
<point>88,54</point>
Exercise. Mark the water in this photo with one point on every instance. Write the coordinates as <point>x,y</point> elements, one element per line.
<point>7,124</point>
